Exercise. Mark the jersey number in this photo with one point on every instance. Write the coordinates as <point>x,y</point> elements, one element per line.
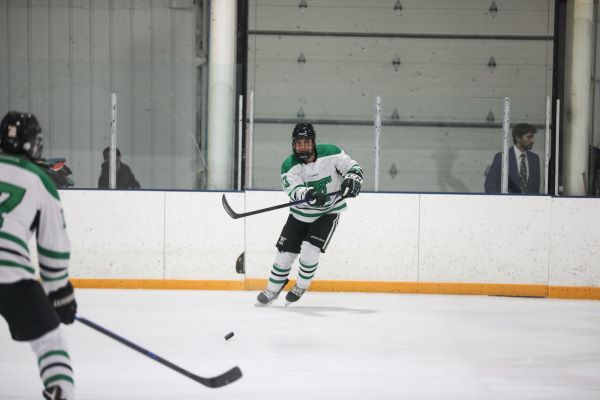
<point>8,203</point>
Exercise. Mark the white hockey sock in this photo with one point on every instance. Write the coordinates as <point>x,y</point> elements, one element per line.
<point>54,362</point>
<point>309,261</point>
<point>280,270</point>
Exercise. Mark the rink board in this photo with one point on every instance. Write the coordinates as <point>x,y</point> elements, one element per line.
<point>388,242</point>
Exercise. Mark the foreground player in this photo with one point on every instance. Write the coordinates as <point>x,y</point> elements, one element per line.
<point>310,173</point>
<point>29,204</point>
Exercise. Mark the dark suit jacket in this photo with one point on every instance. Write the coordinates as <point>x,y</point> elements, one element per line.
<point>493,177</point>
<point>125,177</point>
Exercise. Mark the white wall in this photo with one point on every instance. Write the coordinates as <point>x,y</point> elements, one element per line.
<point>393,237</point>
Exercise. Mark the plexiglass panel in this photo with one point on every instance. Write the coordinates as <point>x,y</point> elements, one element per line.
<point>435,145</point>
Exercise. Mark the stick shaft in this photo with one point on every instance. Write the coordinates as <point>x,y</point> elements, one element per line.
<point>235,215</point>
<point>132,345</point>
<point>218,381</point>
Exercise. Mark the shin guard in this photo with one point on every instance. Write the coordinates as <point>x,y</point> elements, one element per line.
<point>280,270</point>
<point>309,261</point>
<point>54,362</point>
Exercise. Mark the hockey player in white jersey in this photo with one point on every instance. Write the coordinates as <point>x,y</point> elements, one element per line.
<point>310,173</point>
<point>30,204</point>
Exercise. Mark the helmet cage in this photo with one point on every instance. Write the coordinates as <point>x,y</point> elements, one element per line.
<point>303,131</point>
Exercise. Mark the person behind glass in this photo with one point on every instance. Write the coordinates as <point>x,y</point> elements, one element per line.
<point>125,177</point>
<point>523,164</point>
<point>35,297</point>
<point>312,171</point>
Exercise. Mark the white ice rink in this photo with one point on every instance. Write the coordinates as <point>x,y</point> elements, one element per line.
<point>327,346</point>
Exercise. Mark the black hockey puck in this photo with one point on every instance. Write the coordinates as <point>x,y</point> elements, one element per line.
<point>229,336</point>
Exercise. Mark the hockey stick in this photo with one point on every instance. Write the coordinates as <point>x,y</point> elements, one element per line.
<point>221,380</point>
<point>235,215</point>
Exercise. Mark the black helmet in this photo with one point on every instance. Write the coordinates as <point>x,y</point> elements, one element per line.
<point>21,133</point>
<point>303,130</point>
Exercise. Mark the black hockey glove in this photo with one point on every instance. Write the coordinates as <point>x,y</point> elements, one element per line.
<point>315,198</point>
<point>351,184</point>
<point>63,301</point>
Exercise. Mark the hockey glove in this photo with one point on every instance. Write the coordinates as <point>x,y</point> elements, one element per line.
<point>63,301</point>
<point>351,184</point>
<point>315,198</point>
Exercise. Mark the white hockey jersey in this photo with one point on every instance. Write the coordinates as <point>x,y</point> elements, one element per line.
<point>29,203</point>
<point>325,174</point>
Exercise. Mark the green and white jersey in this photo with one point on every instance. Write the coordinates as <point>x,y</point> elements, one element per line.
<point>29,203</point>
<point>325,174</point>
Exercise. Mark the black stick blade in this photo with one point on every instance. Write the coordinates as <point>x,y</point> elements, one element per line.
<point>228,208</point>
<point>224,379</point>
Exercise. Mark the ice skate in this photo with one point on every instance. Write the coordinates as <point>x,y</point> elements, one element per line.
<point>294,295</point>
<point>53,393</point>
<point>267,296</point>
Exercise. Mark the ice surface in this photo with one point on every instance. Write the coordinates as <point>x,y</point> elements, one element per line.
<point>326,346</point>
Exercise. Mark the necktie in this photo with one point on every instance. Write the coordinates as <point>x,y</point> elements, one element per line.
<point>523,173</point>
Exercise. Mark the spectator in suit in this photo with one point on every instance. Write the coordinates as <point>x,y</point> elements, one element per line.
<point>523,164</point>
<point>125,177</point>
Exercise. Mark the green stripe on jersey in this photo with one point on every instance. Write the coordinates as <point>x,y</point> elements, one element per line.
<point>53,254</point>
<point>296,188</point>
<point>14,239</point>
<point>315,215</point>
<point>12,264</point>
<point>23,162</point>
<point>323,150</point>
<point>289,163</point>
